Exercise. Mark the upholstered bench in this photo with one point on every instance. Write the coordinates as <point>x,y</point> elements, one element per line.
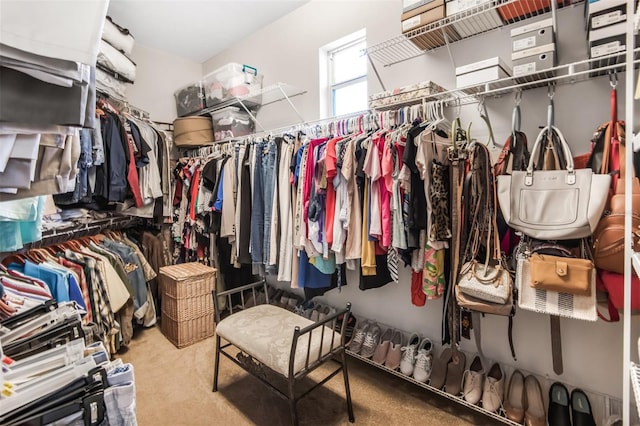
<point>289,345</point>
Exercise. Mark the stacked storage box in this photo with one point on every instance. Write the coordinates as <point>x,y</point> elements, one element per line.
<point>481,22</point>
<point>231,122</point>
<point>114,69</point>
<point>187,304</point>
<point>533,50</point>
<point>417,14</point>
<point>606,22</point>
<point>231,81</point>
<point>482,72</point>
<point>226,83</point>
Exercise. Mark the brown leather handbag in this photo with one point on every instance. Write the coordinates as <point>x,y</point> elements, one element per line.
<point>561,274</point>
<point>608,238</point>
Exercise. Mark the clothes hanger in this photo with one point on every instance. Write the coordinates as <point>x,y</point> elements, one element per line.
<point>484,115</point>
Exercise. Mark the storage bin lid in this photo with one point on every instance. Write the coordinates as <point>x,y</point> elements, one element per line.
<point>183,271</point>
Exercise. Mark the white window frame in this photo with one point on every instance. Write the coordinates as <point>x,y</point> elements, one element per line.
<point>335,86</point>
<point>326,84</point>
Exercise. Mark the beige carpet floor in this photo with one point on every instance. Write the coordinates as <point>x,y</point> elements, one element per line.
<point>174,388</point>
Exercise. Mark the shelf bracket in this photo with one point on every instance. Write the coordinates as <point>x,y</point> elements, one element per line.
<point>293,107</point>
<point>375,70</point>
<point>448,44</point>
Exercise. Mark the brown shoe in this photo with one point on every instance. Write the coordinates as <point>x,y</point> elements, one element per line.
<point>514,404</point>
<point>535,414</point>
<point>455,371</point>
<point>439,370</point>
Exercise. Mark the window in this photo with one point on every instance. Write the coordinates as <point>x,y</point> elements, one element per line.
<point>346,75</point>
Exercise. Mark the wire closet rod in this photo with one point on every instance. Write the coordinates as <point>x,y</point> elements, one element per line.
<point>298,126</point>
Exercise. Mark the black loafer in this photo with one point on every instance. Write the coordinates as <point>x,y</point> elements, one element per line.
<point>558,405</point>
<point>581,409</point>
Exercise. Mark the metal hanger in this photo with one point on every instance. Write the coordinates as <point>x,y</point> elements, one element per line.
<point>484,115</point>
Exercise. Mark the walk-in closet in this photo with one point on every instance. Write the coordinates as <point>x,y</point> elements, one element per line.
<point>317,212</point>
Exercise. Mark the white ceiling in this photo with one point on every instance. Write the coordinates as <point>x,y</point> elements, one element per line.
<point>196,30</point>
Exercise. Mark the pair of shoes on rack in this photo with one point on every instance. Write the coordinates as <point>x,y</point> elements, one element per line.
<point>321,312</point>
<point>348,329</point>
<point>489,388</point>
<point>524,400</point>
<point>366,338</point>
<point>389,351</point>
<point>563,410</point>
<point>416,358</point>
<point>448,371</point>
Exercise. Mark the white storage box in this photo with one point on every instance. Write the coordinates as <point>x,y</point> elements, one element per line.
<point>482,72</point>
<point>231,122</point>
<point>608,40</point>
<point>603,13</point>
<point>532,35</point>
<point>473,24</point>
<point>534,60</point>
<point>231,81</point>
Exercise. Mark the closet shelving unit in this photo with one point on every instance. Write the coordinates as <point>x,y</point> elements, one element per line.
<point>479,20</point>
<point>253,101</point>
<point>563,74</point>
<point>469,23</point>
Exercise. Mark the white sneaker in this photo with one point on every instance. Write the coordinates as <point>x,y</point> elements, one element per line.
<point>422,368</point>
<point>409,355</point>
<point>473,381</point>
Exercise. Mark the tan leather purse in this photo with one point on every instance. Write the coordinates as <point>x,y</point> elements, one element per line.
<point>561,274</point>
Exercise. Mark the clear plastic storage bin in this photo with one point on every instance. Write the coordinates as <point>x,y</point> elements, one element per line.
<point>190,99</point>
<point>231,122</point>
<point>233,80</point>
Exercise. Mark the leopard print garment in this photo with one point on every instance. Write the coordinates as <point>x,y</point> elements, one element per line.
<point>440,220</point>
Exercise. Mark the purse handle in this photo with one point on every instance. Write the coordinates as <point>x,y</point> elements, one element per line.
<point>546,131</point>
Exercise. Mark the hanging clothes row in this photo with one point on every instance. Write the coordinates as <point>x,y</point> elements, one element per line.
<point>302,208</point>
<point>107,276</point>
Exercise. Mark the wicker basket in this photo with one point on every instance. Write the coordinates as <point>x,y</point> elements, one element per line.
<point>187,306</point>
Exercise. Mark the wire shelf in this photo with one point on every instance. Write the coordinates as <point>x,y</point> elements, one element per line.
<point>454,398</point>
<point>458,26</point>
<point>563,74</point>
<point>269,94</point>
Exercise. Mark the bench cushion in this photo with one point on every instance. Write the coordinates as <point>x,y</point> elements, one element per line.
<point>265,332</point>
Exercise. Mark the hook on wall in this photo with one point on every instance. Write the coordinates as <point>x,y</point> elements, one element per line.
<point>613,78</point>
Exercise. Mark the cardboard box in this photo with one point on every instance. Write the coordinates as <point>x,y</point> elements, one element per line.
<point>532,35</point>
<point>471,25</point>
<point>482,72</point>
<point>522,8</point>
<point>426,6</point>
<point>604,13</point>
<point>423,19</point>
<point>608,40</point>
<point>534,60</point>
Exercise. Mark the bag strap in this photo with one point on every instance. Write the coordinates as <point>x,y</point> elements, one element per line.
<point>549,131</point>
<point>556,344</point>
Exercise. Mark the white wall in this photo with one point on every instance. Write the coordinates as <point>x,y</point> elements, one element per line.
<point>287,51</point>
<point>158,75</point>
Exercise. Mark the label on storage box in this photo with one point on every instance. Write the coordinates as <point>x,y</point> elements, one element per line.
<point>524,69</point>
<point>524,43</point>
<point>608,19</point>
<point>606,49</point>
<point>410,23</point>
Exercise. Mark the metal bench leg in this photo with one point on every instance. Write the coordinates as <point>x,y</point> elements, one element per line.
<point>347,389</point>
<point>292,401</point>
<point>216,368</point>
